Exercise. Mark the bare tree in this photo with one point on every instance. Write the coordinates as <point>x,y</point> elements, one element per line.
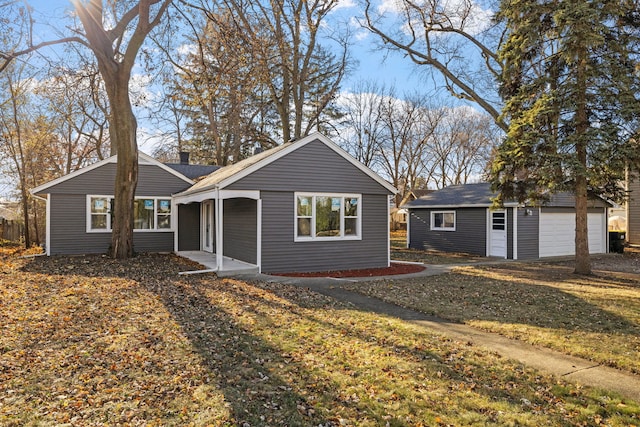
<point>114,31</point>
<point>27,140</point>
<point>363,129</point>
<point>457,41</point>
<point>408,126</point>
<point>460,147</point>
<point>297,71</point>
<point>75,103</point>
<point>115,36</point>
<point>214,90</point>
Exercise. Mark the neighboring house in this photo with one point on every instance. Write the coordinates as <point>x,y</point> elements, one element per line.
<point>399,216</point>
<point>460,219</point>
<point>302,206</point>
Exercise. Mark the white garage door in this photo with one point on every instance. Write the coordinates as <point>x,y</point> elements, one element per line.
<point>557,234</point>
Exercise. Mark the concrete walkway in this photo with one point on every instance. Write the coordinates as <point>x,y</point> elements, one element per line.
<point>574,369</point>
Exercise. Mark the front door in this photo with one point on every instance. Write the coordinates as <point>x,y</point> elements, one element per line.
<point>498,234</point>
<point>207,226</point>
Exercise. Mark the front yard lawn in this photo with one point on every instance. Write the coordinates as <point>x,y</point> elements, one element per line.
<point>89,341</point>
<point>595,317</point>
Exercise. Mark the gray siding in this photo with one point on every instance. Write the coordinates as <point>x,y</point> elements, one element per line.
<point>189,227</point>
<point>281,254</point>
<point>315,168</point>
<point>152,181</point>
<point>528,232</point>
<point>69,210</point>
<point>240,230</point>
<point>69,236</point>
<point>470,235</point>
<point>567,200</point>
<point>509,232</point>
<point>633,211</point>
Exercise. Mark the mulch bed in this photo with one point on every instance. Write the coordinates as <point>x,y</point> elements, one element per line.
<point>394,269</point>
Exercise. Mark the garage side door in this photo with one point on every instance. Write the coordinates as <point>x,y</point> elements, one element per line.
<point>557,234</point>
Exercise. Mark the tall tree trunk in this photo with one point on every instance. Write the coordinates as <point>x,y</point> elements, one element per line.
<point>25,212</point>
<point>36,228</point>
<point>583,261</point>
<point>123,128</point>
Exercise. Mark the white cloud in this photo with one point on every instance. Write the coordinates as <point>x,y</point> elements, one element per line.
<point>465,15</point>
<point>359,33</point>
<point>344,4</point>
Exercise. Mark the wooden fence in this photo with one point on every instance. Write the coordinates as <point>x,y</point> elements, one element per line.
<point>11,230</point>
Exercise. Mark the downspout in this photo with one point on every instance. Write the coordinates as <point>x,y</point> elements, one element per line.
<point>219,227</point>
<point>175,221</point>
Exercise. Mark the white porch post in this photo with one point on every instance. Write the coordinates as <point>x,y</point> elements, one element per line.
<point>219,227</point>
<point>174,224</point>
<point>47,237</point>
<point>259,234</point>
<point>515,233</point>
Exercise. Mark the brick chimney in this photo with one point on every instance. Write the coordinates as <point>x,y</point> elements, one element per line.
<point>184,157</point>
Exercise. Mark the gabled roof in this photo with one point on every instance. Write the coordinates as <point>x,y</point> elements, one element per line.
<point>417,193</point>
<point>143,159</point>
<point>480,195</point>
<point>193,171</point>
<point>466,195</point>
<point>228,175</point>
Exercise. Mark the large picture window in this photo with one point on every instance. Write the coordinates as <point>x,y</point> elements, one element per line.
<point>149,214</point>
<point>327,216</point>
<point>443,220</point>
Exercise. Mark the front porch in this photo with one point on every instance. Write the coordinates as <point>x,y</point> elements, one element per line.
<point>228,266</point>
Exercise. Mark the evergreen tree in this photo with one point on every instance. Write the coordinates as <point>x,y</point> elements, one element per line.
<point>571,86</point>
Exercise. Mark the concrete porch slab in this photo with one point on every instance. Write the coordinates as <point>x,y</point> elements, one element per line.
<point>229,267</point>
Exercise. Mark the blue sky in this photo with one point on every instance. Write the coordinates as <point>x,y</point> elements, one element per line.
<point>373,63</point>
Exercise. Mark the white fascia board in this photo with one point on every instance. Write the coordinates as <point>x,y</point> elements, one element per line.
<point>45,186</point>
<point>476,205</point>
<point>143,159</point>
<point>215,194</point>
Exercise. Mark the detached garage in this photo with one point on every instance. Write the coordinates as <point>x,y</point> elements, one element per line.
<point>460,219</point>
<point>557,233</point>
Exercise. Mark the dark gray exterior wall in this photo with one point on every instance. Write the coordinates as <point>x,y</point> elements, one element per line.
<point>470,235</point>
<point>314,167</point>
<point>69,236</point>
<point>152,181</point>
<point>528,232</point>
<point>240,230</point>
<point>69,210</point>
<point>281,254</point>
<point>189,227</point>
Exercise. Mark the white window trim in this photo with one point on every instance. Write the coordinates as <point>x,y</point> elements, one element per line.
<point>432,221</point>
<point>313,237</point>
<point>109,228</point>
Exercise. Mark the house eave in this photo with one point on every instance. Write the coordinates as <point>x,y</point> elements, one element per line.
<point>144,159</point>
<point>469,205</point>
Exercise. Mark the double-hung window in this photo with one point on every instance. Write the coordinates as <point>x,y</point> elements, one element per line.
<point>149,213</point>
<point>100,213</point>
<point>443,220</point>
<point>324,216</point>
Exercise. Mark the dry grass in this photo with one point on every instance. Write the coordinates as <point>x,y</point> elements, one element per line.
<point>595,317</point>
<point>88,341</point>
